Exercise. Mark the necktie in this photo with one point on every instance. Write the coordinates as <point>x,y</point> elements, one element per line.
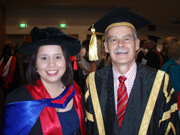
<point>122,100</point>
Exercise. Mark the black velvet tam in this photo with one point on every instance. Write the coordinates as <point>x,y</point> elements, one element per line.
<point>51,36</point>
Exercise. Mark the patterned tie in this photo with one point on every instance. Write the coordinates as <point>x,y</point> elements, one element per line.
<point>122,100</point>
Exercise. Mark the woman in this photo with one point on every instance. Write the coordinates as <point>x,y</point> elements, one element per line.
<point>172,66</point>
<point>9,71</point>
<point>49,104</point>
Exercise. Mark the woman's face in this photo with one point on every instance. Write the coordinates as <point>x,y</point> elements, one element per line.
<point>50,63</point>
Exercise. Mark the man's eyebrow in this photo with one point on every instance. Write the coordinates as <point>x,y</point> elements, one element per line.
<point>128,35</point>
<point>112,37</point>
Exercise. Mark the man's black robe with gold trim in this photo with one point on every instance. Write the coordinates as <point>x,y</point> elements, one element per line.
<point>164,118</point>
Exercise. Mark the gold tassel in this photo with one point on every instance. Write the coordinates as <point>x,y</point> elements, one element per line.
<point>93,46</point>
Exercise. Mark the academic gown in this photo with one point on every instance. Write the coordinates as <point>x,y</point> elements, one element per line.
<point>136,106</point>
<point>153,58</point>
<point>22,94</point>
<point>16,78</point>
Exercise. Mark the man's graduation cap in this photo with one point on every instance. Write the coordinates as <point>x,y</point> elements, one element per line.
<point>118,17</point>
<point>153,38</point>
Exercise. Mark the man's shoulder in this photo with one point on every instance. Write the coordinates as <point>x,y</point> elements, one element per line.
<point>104,71</point>
<point>146,71</point>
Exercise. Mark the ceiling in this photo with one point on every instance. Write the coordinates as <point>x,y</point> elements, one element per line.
<point>160,12</point>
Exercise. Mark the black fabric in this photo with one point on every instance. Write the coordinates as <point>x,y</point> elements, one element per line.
<point>136,104</point>
<point>165,58</point>
<point>140,56</point>
<point>16,79</point>
<point>51,36</point>
<point>152,59</point>
<point>153,38</point>
<point>22,94</point>
<point>118,15</point>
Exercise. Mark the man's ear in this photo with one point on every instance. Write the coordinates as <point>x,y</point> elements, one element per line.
<point>137,43</point>
<point>106,47</point>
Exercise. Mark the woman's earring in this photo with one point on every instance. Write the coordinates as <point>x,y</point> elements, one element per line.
<point>36,70</point>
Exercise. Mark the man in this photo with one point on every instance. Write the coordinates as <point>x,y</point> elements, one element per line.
<point>153,57</point>
<point>148,105</point>
<point>167,43</point>
<point>141,53</point>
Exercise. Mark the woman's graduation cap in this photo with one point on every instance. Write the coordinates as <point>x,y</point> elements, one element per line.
<point>51,36</point>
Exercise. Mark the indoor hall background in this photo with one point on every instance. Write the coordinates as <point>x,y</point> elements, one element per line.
<point>79,15</point>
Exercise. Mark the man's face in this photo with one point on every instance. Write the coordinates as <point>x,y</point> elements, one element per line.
<point>121,45</point>
<point>144,44</point>
<point>167,43</point>
<point>148,45</point>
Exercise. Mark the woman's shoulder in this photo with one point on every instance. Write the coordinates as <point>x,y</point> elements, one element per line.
<point>19,94</point>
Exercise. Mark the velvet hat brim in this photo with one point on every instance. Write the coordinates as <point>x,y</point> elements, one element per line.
<point>51,36</point>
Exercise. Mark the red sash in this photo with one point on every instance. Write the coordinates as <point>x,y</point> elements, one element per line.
<point>178,101</point>
<point>160,58</point>
<point>49,119</point>
<point>10,74</point>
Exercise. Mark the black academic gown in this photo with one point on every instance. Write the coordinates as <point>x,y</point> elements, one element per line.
<point>140,56</point>
<point>16,78</point>
<point>153,59</point>
<point>136,104</point>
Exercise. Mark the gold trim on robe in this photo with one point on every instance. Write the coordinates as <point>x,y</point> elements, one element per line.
<point>96,104</point>
<point>151,103</point>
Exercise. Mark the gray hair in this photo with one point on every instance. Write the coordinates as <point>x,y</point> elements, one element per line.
<point>152,42</point>
<point>134,34</point>
<point>174,51</point>
<point>174,40</point>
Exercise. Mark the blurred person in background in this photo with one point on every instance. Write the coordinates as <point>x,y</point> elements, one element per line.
<point>141,53</point>
<point>167,43</point>
<point>153,57</point>
<point>172,66</point>
<point>9,71</point>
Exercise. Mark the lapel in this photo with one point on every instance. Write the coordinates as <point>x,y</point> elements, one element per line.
<point>137,101</point>
<point>105,90</point>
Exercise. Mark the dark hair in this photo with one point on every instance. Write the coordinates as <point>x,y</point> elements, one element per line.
<point>174,40</point>
<point>32,75</point>
<point>142,42</point>
<point>6,51</point>
<point>85,42</point>
<point>24,42</point>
